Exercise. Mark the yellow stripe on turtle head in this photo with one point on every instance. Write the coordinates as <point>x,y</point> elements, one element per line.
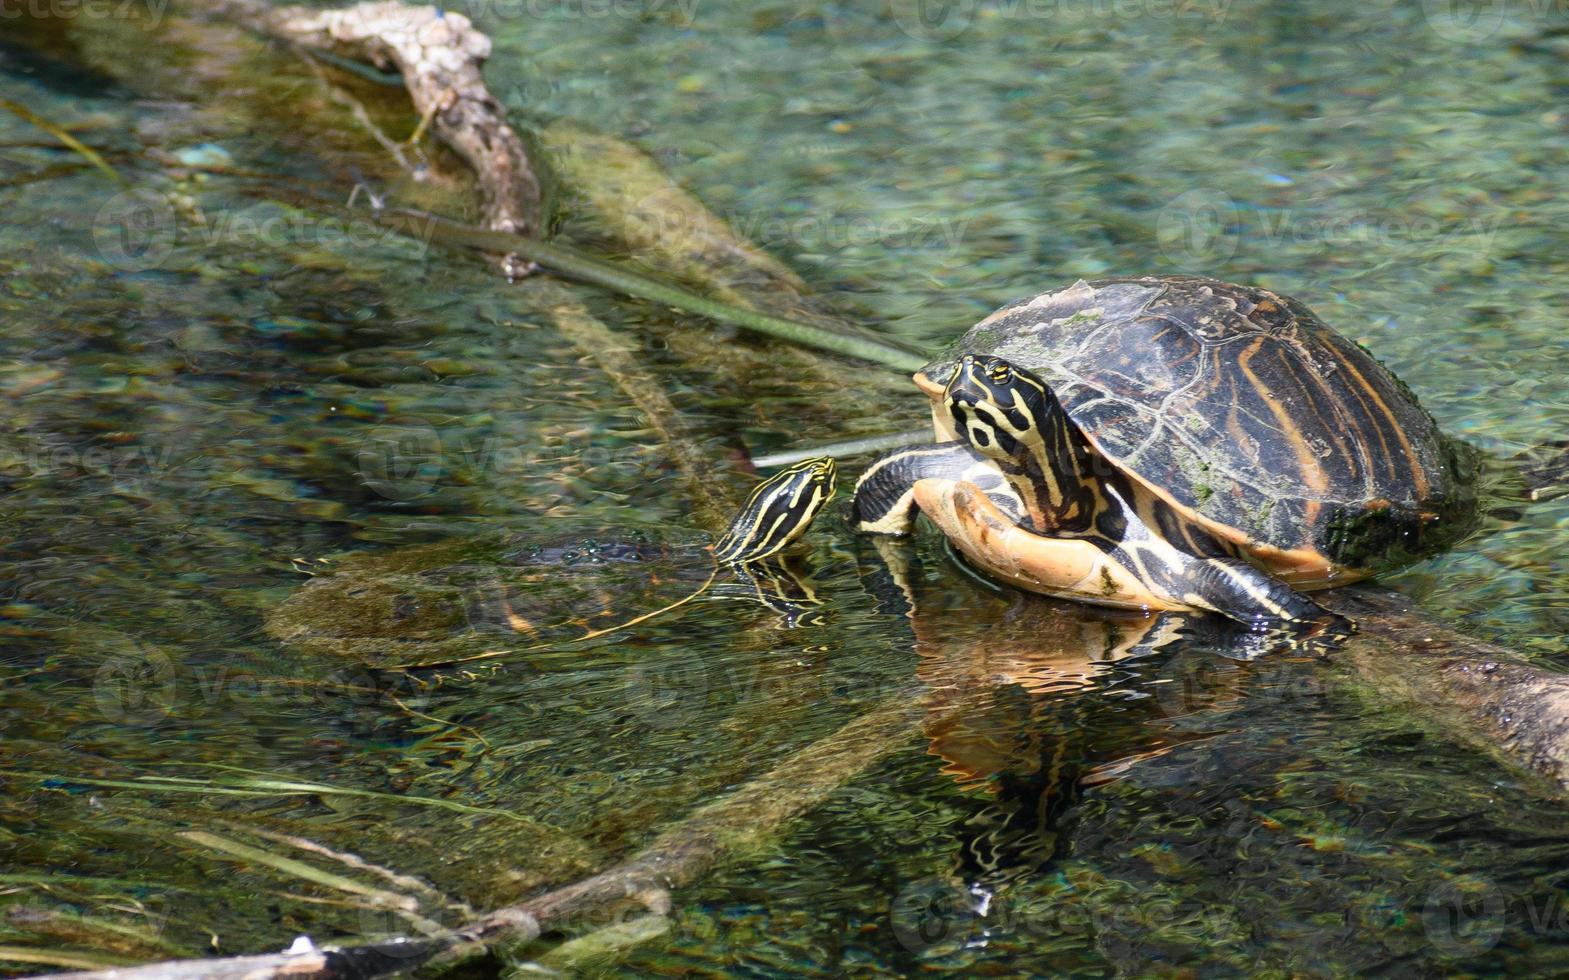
<point>998,408</point>
<point>778,511</point>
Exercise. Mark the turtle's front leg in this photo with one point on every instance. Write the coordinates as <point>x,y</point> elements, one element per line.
<point>885,495</point>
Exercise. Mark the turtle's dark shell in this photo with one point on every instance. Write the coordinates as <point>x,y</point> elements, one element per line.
<point>1245,410</point>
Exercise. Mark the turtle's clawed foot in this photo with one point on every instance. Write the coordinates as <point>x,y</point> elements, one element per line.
<point>1317,637</point>
<point>1321,636</point>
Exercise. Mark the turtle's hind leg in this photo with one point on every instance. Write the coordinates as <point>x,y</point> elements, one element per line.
<point>1278,618</point>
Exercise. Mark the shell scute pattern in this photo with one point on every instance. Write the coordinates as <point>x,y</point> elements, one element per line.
<point>1240,406</point>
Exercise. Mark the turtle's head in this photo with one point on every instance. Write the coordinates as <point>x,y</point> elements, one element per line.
<point>997,407</point>
<point>778,511</point>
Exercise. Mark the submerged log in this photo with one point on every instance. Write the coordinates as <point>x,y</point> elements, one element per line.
<point>439,54</point>
<point>723,830</point>
<point>1484,693</point>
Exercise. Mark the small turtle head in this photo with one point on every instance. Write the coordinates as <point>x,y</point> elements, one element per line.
<point>778,511</point>
<point>996,406</point>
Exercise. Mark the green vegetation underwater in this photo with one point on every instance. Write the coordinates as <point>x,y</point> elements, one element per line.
<point>259,453</point>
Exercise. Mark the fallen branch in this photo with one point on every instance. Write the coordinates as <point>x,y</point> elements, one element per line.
<point>439,54</point>
<point>1517,712</point>
<point>711,835</point>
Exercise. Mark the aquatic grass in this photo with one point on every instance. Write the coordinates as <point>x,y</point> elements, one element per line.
<point>71,959</point>
<point>298,869</point>
<point>405,906</point>
<point>96,933</point>
<point>581,265</point>
<point>83,881</point>
<point>60,133</point>
<point>407,883</point>
<point>263,784</point>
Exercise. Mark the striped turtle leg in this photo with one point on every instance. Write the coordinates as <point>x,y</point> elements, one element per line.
<point>1155,543</point>
<point>885,494</point>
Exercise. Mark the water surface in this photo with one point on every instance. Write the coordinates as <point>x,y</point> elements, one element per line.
<point>188,432</point>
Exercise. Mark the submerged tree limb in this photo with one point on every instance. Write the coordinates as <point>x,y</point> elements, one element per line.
<point>1482,693</point>
<point>614,355</point>
<point>711,835</point>
<point>440,54</point>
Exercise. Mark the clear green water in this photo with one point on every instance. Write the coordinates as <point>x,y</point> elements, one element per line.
<point>178,439</point>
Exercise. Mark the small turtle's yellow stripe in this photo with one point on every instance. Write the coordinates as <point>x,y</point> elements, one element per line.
<point>778,511</point>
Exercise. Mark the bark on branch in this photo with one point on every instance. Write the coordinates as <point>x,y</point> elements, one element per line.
<point>439,54</point>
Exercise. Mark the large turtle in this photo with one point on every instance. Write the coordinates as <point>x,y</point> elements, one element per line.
<point>1173,442</point>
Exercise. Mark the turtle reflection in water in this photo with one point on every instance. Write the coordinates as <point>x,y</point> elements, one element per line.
<point>470,600</point>
<point>1015,710</point>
